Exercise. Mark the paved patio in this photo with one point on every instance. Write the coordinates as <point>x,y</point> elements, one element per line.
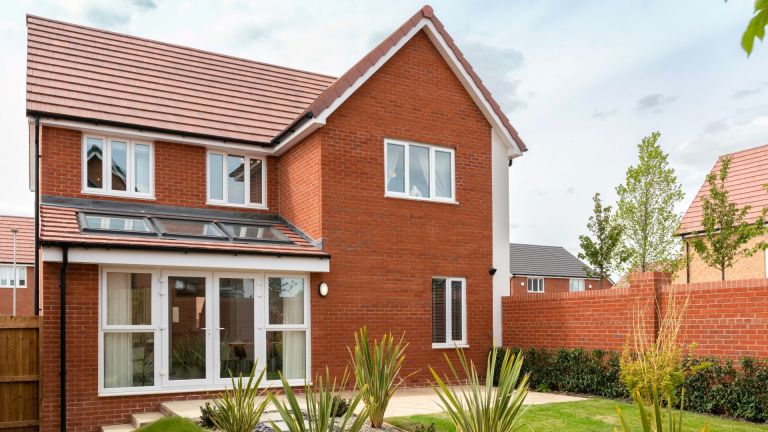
<point>406,402</point>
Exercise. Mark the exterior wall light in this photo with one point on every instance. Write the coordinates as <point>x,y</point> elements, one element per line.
<point>322,289</point>
<point>492,271</point>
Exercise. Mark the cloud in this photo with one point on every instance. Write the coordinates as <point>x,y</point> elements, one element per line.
<point>746,92</point>
<point>653,103</point>
<point>602,114</point>
<point>496,67</point>
<point>103,17</point>
<point>570,191</point>
<point>144,4</point>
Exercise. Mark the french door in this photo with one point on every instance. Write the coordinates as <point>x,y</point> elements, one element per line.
<point>212,326</point>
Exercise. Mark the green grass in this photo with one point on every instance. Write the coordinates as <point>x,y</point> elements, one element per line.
<point>593,415</point>
<point>172,424</point>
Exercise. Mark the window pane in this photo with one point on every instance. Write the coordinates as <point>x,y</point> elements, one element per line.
<point>236,323</point>
<point>438,310</point>
<point>418,171</point>
<point>256,195</point>
<point>254,232</point>
<point>129,298</point>
<point>141,168</point>
<point>187,341</point>
<point>215,176</point>
<point>286,353</point>
<point>5,276</point>
<point>129,360</point>
<point>22,272</point>
<point>94,155</point>
<point>235,179</point>
<point>457,331</point>
<point>396,168</point>
<point>286,300</point>
<point>116,223</point>
<point>443,174</point>
<point>188,228</point>
<point>119,165</point>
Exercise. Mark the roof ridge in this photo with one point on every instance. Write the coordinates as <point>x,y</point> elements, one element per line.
<point>169,44</point>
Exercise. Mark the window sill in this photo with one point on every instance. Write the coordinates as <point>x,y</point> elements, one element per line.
<point>242,206</point>
<point>118,195</point>
<point>11,287</point>
<point>535,292</point>
<point>430,200</point>
<point>137,391</point>
<point>450,346</point>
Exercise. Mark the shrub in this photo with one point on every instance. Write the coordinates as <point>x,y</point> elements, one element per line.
<point>342,405</point>
<point>239,410</point>
<point>425,428</point>
<point>206,413</point>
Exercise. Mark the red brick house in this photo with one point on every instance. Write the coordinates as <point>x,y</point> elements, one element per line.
<point>25,265</point>
<point>200,212</point>
<point>539,269</point>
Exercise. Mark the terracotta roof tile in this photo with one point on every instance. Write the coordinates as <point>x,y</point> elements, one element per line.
<point>745,183</point>
<point>25,239</point>
<point>59,225</point>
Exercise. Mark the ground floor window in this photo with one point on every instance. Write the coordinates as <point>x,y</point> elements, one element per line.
<point>190,330</point>
<point>535,285</point>
<point>575,285</point>
<point>8,281</point>
<point>449,315</point>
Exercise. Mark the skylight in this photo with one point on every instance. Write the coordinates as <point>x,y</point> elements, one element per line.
<point>187,227</point>
<point>116,223</point>
<point>240,231</point>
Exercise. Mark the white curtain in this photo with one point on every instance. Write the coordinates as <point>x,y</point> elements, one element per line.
<point>294,342</point>
<point>118,347</point>
<point>443,174</point>
<point>419,171</point>
<point>395,168</point>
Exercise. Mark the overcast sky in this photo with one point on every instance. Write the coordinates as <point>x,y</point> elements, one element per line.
<point>582,81</point>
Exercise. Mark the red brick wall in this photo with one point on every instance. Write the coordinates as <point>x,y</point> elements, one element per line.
<point>25,297</point>
<point>301,186</point>
<point>727,319</point>
<point>180,172</point>
<point>385,250</point>
<point>519,285</point>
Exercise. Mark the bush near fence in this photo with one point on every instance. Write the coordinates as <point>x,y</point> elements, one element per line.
<point>730,388</point>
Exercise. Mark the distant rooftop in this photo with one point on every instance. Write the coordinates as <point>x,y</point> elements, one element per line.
<point>539,260</point>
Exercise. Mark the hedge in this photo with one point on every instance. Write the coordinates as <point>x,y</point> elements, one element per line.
<point>720,387</point>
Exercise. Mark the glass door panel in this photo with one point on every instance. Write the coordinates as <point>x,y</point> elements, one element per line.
<point>236,346</point>
<point>187,328</point>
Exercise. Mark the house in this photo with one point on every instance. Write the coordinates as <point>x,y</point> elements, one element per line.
<point>200,213</point>
<point>24,261</point>
<point>747,177</point>
<point>537,269</point>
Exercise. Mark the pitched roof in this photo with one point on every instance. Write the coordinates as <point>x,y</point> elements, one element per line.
<point>745,183</point>
<point>59,225</point>
<point>25,239</point>
<point>539,260</point>
<point>90,74</point>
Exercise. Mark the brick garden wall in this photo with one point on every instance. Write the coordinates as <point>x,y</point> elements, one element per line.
<point>728,319</point>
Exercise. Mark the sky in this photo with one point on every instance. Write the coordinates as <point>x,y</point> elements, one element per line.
<point>582,81</point>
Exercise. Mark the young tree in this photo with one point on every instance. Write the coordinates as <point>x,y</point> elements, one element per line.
<point>603,250</point>
<point>726,229</point>
<point>646,209</point>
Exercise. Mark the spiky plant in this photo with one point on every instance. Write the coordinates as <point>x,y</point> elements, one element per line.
<point>478,406</point>
<point>322,402</point>
<point>240,410</point>
<point>377,371</point>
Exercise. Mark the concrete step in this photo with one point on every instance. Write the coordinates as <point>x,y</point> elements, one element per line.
<point>141,419</point>
<point>118,428</point>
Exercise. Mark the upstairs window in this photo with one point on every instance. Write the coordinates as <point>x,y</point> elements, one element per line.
<point>575,285</point>
<point>7,279</point>
<point>535,285</point>
<point>236,180</point>
<point>118,166</point>
<point>419,171</point>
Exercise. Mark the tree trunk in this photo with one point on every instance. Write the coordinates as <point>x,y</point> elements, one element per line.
<point>722,274</point>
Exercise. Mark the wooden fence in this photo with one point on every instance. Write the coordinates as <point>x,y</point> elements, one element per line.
<point>20,402</point>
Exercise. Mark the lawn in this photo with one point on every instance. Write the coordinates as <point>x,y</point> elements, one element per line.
<point>594,415</point>
<point>172,424</point>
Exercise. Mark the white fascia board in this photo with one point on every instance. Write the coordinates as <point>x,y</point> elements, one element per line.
<point>221,261</point>
<point>500,230</point>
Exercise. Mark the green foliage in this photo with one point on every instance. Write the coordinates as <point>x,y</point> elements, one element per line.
<point>726,229</point>
<point>322,403</point>
<point>174,424</point>
<point>206,413</point>
<point>425,428</point>
<point>476,407</point>
<point>241,407</point>
<point>603,250</point>
<point>756,27</point>
<point>658,418</point>
<point>646,209</point>
<point>377,371</point>
<point>573,371</point>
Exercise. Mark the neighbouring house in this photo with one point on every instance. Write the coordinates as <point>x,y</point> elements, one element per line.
<point>25,265</point>
<point>201,212</point>
<point>538,269</point>
<point>746,185</point>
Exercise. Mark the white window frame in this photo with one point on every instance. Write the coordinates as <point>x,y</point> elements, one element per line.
<point>540,285</point>
<point>20,270</point>
<point>583,284</point>
<point>247,201</point>
<point>407,179</point>
<point>289,327</point>
<point>450,343</point>
<point>106,161</point>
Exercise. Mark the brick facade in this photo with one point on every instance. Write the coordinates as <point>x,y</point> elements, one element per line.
<point>519,285</point>
<point>728,319</point>
<point>25,297</point>
<point>745,267</point>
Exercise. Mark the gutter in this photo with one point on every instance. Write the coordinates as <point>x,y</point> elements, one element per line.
<point>63,339</point>
<point>293,127</point>
<point>37,216</point>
